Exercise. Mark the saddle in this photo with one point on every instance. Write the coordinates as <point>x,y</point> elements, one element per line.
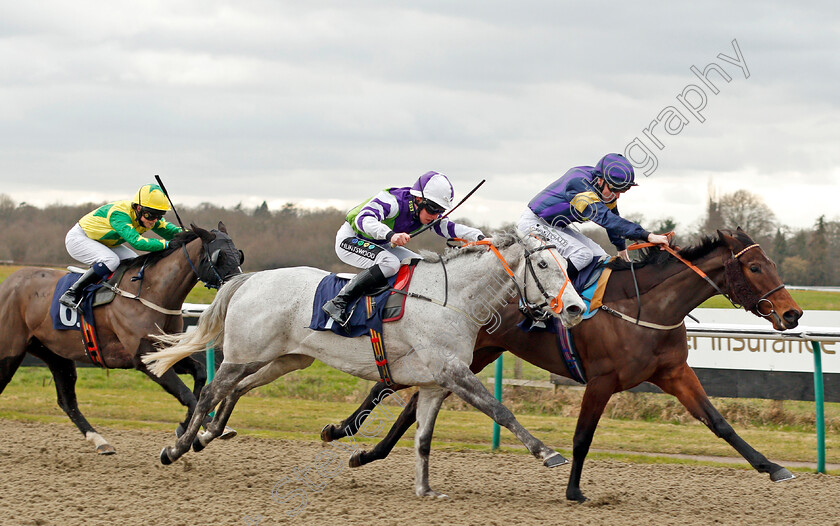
<point>65,319</point>
<point>382,306</point>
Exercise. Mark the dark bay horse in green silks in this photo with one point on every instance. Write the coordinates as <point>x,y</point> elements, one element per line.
<point>617,354</point>
<point>123,326</point>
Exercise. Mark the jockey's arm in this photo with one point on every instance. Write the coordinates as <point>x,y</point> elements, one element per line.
<point>618,229</point>
<point>450,229</point>
<point>370,217</point>
<point>165,229</point>
<point>121,223</point>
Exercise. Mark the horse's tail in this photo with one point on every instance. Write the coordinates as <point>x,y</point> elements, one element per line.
<point>210,329</point>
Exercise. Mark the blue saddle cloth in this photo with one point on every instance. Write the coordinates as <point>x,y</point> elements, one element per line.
<point>65,318</point>
<point>359,323</point>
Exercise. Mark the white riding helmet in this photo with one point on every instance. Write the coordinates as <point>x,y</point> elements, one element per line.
<point>434,187</point>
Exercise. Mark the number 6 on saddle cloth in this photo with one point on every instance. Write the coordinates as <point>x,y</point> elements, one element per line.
<point>65,318</point>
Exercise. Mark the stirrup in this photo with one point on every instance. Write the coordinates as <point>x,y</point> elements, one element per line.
<point>69,302</point>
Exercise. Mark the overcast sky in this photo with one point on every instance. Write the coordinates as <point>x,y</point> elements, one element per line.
<point>324,103</point>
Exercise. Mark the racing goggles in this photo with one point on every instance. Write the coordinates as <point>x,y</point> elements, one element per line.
<point>151,214</point>
<point>432,208</point>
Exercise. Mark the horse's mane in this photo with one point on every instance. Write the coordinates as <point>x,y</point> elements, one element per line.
<point>152,258</point>
<point>654,256</point>
<point>500,239</point>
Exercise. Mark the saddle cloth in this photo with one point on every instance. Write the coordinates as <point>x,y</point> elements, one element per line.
<point>385,305</point>
<point>92,296</point>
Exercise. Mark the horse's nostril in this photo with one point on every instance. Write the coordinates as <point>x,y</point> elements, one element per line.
<point>792,316</point>
<point>574,310</point>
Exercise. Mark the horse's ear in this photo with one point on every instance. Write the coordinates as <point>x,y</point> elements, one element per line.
<point>730,242</point>
<point>222,227</point>
<point>203,234</point>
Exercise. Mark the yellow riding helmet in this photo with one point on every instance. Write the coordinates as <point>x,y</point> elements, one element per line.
<point>151,196</point>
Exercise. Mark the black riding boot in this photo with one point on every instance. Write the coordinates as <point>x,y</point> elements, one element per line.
<point>72,296</point>
<point>362,283</point>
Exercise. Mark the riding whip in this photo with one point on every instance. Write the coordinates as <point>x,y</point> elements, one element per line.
<point>160,183</point>
<point>438,220</point>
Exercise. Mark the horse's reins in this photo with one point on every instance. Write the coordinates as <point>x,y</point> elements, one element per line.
<point>699,272</point>
<point>171,312</point>
<point>534,311</point>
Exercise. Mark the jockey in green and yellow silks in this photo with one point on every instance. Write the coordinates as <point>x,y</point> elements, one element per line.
<point>99,238</point>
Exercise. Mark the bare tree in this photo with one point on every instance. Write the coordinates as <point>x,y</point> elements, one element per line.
<point>750,212</point>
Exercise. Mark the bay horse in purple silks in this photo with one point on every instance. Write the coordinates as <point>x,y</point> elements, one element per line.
<point>124,326</point>
<point>617,354</point>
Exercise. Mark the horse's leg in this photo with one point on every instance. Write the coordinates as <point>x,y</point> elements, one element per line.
<point>683,383</point>
<point>196,369</point>
<point>428,406</point>
<point>170,382</point>
<point>64,376</point>
<point>269,373</point>
<point>381,450</point>
<point>8,366</point>
<point>228,375</point>
<point>595,397</point>
<point>350,425</point>
<point>454,375</point>
<point>481,359</point>
<point>174,386</point>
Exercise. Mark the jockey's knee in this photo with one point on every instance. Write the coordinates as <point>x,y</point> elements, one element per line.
<point>388,265</point>
<point>580,258</point>
<point>111,262</point>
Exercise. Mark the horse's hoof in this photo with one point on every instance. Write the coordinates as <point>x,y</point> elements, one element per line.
<point>228,433</point>
<point>575,496</point>
<point>432,493</point>
<point>781,475</point>
<point>555,460</point>
<point>197,445</point>
<point>326,433</point>
<point>356,459</point>
<point>164,457</point>
<point>106,449</point>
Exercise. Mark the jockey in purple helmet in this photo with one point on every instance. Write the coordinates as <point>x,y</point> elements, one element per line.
<point>375,233</point>
<point>586,193</point>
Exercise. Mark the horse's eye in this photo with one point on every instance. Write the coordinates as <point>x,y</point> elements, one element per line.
<point>755,269</point>
<point>542,264</point>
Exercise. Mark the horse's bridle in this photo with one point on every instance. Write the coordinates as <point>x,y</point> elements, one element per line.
<point>734,299</point>
<point>207,261</point>
<point>533,310</point>
<point>764,297</point>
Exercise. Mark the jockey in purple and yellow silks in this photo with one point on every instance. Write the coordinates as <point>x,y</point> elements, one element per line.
<point>97,239</point>
<point>586,193</point>
<point>375,232</point>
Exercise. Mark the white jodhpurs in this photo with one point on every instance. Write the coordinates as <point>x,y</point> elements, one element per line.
<point>89,251</point>
<point>360,253</point>
<point>578,249</point>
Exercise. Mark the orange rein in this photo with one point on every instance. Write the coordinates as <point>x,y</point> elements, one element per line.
<point>555,303</point>
<point>637,246</point>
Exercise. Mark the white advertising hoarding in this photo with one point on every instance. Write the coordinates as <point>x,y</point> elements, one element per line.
<point>761,354</point>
